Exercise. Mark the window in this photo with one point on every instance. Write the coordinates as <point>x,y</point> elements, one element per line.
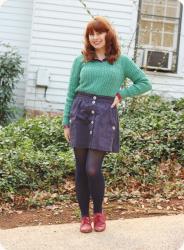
<point>158,32</point>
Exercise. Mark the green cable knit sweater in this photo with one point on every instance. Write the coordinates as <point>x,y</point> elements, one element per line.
<point>102,78</point>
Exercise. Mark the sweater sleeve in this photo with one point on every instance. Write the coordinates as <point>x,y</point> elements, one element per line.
<point>141,83</point>
<point>73,83</point>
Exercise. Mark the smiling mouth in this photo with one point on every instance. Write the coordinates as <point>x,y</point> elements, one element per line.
<point>96,43</point>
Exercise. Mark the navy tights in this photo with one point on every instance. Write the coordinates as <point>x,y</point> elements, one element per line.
<point>89,179</point>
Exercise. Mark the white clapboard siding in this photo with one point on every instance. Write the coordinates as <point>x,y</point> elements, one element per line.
<point>181,52</point>
<point>52,36</point>
<point>15,27</point>
<point>167,85</point>
<point>57,37</point>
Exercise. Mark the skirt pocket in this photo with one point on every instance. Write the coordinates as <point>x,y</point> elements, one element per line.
<point>114,115</point>
<point>74,109</point>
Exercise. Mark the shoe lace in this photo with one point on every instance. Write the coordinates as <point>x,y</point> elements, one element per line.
<point>86,220</point>
<point>99,218</point>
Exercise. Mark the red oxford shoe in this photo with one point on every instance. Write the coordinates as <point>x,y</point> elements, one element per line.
<point>99,222</point>
<point>85,226</point>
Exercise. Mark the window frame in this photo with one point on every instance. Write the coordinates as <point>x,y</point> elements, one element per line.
<point>178,37</point>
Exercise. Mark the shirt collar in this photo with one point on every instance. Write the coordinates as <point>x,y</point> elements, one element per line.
<point>96,59</point>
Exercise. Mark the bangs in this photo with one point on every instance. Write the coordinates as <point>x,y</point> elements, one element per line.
<point>97,26</point>
<point>100,24</point>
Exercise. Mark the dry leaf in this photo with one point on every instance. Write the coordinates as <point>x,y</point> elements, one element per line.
<point>106,199</point>
<point>180,207</point>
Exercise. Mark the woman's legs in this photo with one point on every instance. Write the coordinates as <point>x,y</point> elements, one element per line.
<point>95,178</point>
<point>89,179</point>
<point>81,180</point>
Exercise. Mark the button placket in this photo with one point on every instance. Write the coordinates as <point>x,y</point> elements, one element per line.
<point>92,122</point>
<point>92,112</point>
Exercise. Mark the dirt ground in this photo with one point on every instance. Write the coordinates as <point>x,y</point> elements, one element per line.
<point>68,212</point>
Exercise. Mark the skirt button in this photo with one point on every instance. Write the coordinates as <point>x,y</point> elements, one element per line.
<point>92,111</point>
<point>94,97</point>
<point>93,102</point>
<point>113,127</point>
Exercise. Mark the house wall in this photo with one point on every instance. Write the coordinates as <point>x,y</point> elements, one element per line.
<point>170,85</point>
<point>15,29</point>
<point>49,34</point>
<point>57,37</point>
<point>181,48</point>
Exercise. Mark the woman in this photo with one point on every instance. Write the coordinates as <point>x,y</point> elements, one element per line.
<point>91,123</point>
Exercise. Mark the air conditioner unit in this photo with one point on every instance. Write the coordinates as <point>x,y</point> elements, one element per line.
<point>154,59</point>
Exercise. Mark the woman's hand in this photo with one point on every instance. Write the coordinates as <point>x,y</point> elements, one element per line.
<point>115,102</point>
<point>67,133</point>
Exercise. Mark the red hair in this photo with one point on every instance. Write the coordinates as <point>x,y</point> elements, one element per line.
<point>112,47</point>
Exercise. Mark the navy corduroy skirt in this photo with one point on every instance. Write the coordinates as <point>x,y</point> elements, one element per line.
<point>93,123</point>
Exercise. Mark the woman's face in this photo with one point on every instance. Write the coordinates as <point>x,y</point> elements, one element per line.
<point>97,39</point>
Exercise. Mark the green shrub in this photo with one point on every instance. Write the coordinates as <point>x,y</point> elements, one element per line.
<point>10,71</point>
<point>151,132</point>
<point>35,155</point>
